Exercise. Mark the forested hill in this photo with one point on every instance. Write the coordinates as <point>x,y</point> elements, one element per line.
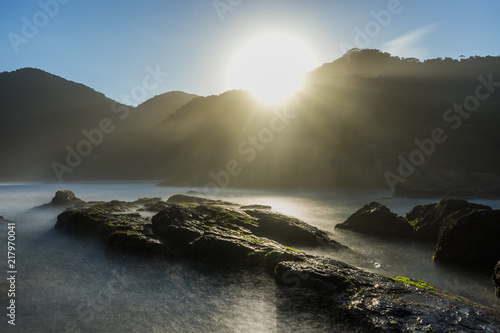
<point>360,119</point>
<point>43,116</point>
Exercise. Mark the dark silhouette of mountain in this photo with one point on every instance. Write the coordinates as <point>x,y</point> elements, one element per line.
<point>360,118</point>
<point>155,110</point>
<point>370,63</point>
<point>42,114</point>
<point>357,119</point>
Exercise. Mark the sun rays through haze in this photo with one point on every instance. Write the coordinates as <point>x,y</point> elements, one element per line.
<point>271,66</point>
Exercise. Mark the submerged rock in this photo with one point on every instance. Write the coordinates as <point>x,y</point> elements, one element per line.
<point>377,220</point>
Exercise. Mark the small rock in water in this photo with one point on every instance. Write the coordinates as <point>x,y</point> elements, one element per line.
<point>65,198</point>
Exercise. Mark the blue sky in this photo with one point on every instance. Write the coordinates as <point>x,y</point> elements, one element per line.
<point>109,44</point>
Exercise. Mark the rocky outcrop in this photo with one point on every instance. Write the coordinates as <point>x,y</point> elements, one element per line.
<point>62,199</point>
<point>470,238</point>
<point>128,232</point>
<point>496,279</point>
<point>466,234</point>
<point>231,236</point>
<point>154,206</point>
<point>427,220</point>
<point>187,199</point>
<point>373,303</point>
<point>65,198</point>
<point>290,231</point>
<point>201,228</point>
<point>219,235</point>
<point>377,220</point>
<point>226,236</point>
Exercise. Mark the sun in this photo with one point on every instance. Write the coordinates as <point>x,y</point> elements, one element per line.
<point>271,66</point>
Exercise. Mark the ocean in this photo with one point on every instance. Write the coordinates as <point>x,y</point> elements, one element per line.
<point>71,284</point>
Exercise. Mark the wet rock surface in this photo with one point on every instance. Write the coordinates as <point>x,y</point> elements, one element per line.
<point>374,303</point>
<point>181,198</point>
<point>496,279</point>
<point>377,220</point>
<point>128,232</point>
<point>465,234</point>
<point>65,198</point>
<point>228,237</point>
<point>470,238</point>
<point>428,219</point>
<point>62,199</point>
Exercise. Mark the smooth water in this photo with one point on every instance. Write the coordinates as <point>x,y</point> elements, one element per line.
<point>70,284</point>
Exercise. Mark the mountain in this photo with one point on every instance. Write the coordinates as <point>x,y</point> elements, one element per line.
<point>359,119</point>
<point>41,115</point>
<point>367,119</point>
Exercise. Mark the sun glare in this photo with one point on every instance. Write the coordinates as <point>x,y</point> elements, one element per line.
<point>271,67</point>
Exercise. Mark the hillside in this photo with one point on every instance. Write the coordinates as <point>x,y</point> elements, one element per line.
<point>42,114</point>
<point>353,124</point>
<point>361,118</point>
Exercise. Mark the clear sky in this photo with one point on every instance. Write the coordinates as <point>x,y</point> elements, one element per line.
<point>109,45</point>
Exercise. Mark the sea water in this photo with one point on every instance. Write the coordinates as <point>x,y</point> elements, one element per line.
<point>71,284</point>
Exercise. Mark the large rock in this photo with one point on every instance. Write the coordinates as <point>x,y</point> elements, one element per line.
<point>211,233</point>
<point>123,232</point>
<point>470,238</point>
<point>373,303</point>
<point>156,207</point>
<point>496,279</point>
<point>65,198</point>
<point>62,199</point>
<point>377,220</point>
<point>356,300</point>
<point>427,220</point>
<point>187,199</point>
<point>290,231</point>
<point>230,236</point>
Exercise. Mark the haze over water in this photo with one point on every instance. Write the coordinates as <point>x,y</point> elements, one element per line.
<point>65,280</point>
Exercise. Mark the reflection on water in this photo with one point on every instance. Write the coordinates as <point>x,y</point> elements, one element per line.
<point>392,258</point>
<point>67,283</point>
